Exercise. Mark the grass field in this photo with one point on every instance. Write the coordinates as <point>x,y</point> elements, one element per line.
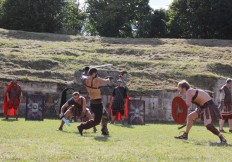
<point>39,141</point>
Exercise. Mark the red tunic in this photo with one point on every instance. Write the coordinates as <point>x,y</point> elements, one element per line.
<point>14,91</point>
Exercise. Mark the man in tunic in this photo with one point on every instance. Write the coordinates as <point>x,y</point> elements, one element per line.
<point>119,98</point>
<point>12,99</point>
<point>75,106</point>
<point>93,84</point>
<point>205,108</point>
<point>226,105</point>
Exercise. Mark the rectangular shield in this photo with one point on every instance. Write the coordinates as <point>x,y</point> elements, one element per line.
<point>34,107</point>
<point>136,115</point>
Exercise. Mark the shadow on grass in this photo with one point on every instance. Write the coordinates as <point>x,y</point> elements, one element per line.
<point>9,120</point>
<point>102,138</point>
<point>68,132</point>
<point>141,41</point>
<point>219,144</point>
<point>124,126</point>
<point>209,42</point>
<point>85,133</point>
<point>37,36</point>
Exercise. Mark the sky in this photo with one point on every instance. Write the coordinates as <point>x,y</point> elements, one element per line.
<point>155,4</point>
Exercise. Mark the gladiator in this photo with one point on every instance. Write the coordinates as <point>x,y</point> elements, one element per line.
<point>206,109</point>
<point>93,83</point>
<point>75,106</point>
<point>225,106</point>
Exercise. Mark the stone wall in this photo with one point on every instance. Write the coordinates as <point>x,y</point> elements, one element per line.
<point>157,103</point>
<point>49,91</point>
<point>216,88</point>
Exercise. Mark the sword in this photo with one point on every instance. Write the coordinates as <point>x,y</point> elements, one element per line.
<point>104,65</point>
<point>182,126</point>
<point>66,121</point>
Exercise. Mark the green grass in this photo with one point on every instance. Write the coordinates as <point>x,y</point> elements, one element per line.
<point>161,63</point>
<point>39,141</point>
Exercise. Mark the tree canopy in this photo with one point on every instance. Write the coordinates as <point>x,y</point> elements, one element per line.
<point>120,18</point>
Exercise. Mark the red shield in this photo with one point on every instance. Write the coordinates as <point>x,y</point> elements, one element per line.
<point>179,110</point>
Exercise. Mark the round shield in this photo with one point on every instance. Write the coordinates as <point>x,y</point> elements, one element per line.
<point>179,110</point>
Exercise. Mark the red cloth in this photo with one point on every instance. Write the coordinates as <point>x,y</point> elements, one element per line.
<point>118,116</point>
<point>14,102</point>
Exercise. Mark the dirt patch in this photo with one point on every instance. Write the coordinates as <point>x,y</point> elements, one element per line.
<point>47,74</point>
<point>122,51</point>
<point>202,81</point>
<point>42,64</point>
<point>141,41</point>
<point>210,42</point>
<point>220,69</point>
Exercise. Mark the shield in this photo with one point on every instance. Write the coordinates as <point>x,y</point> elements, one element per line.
<point>179,110</point>
<point>34,107</point>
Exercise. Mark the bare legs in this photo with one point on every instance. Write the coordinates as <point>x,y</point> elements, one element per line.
<point>191,117</point>
<point>221,125</point>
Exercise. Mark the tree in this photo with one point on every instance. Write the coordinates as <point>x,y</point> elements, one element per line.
<point>179,17</point>
<point>153,25</point>
<point>200,19</point>
<point>1,12</point>
<point>115,18</point>
<point>71,18</point>
<point>31,15</point>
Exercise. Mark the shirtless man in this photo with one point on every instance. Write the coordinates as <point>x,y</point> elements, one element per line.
<point>93,83</point>
<point>205,107</point>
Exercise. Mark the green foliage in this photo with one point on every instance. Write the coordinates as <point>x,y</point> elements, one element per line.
<point>1,11</point>
<point>120,18</point>
<point>178,18</point>
<point>115,18</point>
<point>71,18</point>
<point>31,15</point>
<point>200,19</point>
<point>153,25</point>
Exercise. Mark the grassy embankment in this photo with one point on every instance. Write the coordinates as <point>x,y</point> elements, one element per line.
<point>151,63</point>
